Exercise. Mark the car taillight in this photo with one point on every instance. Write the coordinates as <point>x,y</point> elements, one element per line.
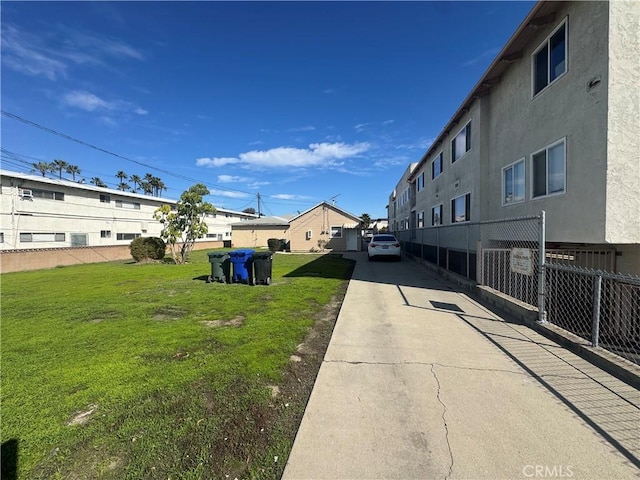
<point>396,245</point>
<point>373,245</point>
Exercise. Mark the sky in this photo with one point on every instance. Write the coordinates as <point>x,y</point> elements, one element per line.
<point>298,102</point>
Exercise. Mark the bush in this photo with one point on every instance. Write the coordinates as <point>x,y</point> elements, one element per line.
<point>147,248</point>
<point>277,244</point>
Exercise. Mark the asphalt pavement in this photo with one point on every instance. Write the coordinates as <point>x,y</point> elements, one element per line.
<point>420,381</point>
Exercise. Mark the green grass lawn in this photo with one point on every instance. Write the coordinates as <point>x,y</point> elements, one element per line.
<point>176,373</point>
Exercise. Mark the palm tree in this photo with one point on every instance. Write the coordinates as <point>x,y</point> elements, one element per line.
<point>42,167</point>
<point>137,181</point>
<point>73,170</point>
<point>146,187</point>
<point>124,186</point>
<point>97,182</point>
<point>122,176</point>
<point>160,186</point>
<point>59,165</point>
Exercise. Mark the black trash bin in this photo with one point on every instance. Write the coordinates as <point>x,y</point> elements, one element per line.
<point>263,266</point>
<point>242,266</point>
<point>220,267</point>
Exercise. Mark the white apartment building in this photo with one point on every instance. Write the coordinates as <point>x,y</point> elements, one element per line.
<point>553,125</point>
<point>38,212</point>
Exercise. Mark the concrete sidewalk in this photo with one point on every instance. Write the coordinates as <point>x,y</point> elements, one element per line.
<point>422,382</point>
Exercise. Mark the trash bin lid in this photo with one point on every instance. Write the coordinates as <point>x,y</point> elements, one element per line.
<point>262,255</point>
<point>242,253</point>
<point>218,254</point>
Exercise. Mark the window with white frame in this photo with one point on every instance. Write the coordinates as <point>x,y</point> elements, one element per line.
<point>549,61</point>
<point>41,237</point>
<point>48,194</point>
<point>513,183</point>
<point>436,166</point>
<point>105,233</point>
<point>461,209</point>
<point>461,144</point>
<point>436,215</point>
<point>548,170</point>
<point>420,220</point>
<point>127,236</point>
<point>125,204</point>
<point>420,181</point>
<point>105,198</point>
<point>336,232</point>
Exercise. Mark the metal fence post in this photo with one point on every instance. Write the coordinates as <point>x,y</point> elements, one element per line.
<point>438,246</point>
<point>467,230</point>
<point>595,328</point>
<point>542,259</point>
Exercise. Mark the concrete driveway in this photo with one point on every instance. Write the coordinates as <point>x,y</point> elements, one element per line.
<point>422,382</point>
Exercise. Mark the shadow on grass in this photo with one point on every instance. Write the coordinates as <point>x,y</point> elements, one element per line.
<point>9,470</point>
<point>331,265</point>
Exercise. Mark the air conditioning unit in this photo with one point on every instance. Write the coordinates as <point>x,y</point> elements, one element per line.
<point>309,235</point>
<point>25,193</point>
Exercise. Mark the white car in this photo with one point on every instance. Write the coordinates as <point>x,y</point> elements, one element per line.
<point>384,245</point>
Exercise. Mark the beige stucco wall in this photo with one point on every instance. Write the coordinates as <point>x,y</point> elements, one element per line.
<point>623,124</point>
<point>319,221</point>
<point>257,236</point>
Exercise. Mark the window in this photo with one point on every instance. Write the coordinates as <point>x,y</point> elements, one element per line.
<point>436,166</point>
<point>421,181</point>
<point>127,236</point>
<point>461,144</point>
<point>48,194</point>
<point>105,233</point>
<point>461,209</point>
<point>125,204</point>
<point>1,237</point>
<point>513,183</point>
<point>42,237</point>
<point>549,62</point>
<point>421,220</point>
<point>336,232</point>
<point>105,198</point>
<point>436,215</point>
<point>548,170</point>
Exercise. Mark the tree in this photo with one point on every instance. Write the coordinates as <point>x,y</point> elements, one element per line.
<point>42,167</point>
<point>185,224</point>
<point>97,182</point>
<point>366,220</point>
<point>58,165</point>
<point>122,176</point>
<point>73,170</point>
<point>146,187</point>
<point>137,182</point>
<point>250,210</point>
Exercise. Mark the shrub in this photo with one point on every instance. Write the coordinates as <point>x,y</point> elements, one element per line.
<point>276,244</point>
<point>147,248</point>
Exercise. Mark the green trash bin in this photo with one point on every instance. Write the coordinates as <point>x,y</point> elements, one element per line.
<point>220,267</point>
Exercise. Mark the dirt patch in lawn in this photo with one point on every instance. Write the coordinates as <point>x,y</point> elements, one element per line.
<point>234,322</point>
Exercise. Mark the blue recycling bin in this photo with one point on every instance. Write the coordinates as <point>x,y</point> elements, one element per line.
<point>242,261</point>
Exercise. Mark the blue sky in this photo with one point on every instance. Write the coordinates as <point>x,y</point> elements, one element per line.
<point>298,101</point>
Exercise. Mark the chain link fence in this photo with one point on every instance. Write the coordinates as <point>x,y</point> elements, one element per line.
<point>601,307</point>
<point>510,260</point>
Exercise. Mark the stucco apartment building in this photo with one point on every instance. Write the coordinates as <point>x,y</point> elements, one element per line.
<point>553,125</point>
<point>38,212</point>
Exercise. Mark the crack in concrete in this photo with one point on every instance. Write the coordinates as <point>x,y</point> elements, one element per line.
<point>430,364</point>
<point>444,421</point>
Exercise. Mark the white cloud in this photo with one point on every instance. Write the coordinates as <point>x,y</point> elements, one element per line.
<point>317,155</point>
<point>360,127</point>
<point>289,196</point>
<point>232,179</point>
<point>308,128</point>
<point>487,53</point>
<point>329,91</point>
<point>53,51</point>
<point>388,122</point>
<point>215,162</point>
<point>141,111</point>
<point>228,194</point>
<point>258,184</point>
<point>86,101</point>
